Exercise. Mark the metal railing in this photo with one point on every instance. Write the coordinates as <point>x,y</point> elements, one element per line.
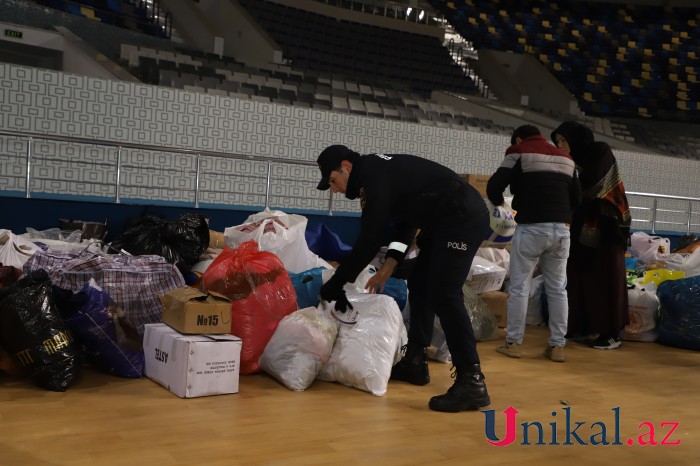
<point>649,218</point>
<point>118,147</point>
<point>388,9</point>
<point>655,210</point>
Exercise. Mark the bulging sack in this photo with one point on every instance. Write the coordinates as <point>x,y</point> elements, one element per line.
<point>34,333</point>
<point>179,241</point>
<point>501,224</point>
<point>261,293</point>
<point>107,338</point>
<point>643,309</point>
<point>364,353</point>
<point>300,347</point>
<point>133,282</point>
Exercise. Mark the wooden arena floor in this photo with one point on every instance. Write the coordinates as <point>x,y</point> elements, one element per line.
<point>104,420</point>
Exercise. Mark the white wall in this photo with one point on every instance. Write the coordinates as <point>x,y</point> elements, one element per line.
<point>54,103</point>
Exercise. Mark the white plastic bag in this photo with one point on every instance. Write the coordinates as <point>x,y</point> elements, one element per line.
<point>300,346</point>
<point>643,309</point>
<point>649,336</point>
<point>69,236</point>
<point>364,353</point>
<point>499,256</point>
<point>649,248</point>
<point>281,234</point>
<point>501,224</point>
<point>15,250</point>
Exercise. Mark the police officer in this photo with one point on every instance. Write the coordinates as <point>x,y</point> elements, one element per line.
<point>410,193</point>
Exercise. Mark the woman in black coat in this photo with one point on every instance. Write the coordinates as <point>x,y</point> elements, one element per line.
<point>596,272</point>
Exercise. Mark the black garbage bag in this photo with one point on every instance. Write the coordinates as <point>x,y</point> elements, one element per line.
<point>104,333</point>
<point>180,241</point>
<point>33,332</point>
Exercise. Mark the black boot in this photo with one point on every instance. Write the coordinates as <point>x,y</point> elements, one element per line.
<point>413,367</point>
<point>467,393</point>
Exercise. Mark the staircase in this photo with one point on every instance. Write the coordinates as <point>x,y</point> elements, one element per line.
<point>465,55</point>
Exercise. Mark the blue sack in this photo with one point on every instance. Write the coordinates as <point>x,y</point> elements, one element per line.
<point>397,289</point>
<point>308,286</point>
<point>679,318</point>
<point>88,316</point>
<point>326,244</point>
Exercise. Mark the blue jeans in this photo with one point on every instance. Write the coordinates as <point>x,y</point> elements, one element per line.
<point>548,243</point>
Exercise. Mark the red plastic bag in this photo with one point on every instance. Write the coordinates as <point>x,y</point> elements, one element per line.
<point>262,294</point>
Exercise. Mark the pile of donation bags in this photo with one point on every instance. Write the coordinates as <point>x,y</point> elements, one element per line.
<point>664,291</point>
<point>92,302</point>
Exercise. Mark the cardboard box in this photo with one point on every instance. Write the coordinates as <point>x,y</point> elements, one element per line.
<point>478,181</point>
<point>497,302</point>
<point>191,365</point>
<point>190,310</point>
<point>485,276</point>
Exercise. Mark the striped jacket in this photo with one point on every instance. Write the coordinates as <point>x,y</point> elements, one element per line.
<point>542,179</point>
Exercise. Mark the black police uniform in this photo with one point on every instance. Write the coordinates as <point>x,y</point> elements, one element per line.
<point>410,193</point>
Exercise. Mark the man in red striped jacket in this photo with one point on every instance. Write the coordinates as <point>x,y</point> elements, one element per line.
<point>546,190</point>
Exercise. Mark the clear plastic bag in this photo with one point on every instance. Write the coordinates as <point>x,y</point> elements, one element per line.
<point>484,322</point>
<point>299,348</point>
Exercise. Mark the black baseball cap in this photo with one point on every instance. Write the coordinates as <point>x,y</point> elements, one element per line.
<point>329,160</point>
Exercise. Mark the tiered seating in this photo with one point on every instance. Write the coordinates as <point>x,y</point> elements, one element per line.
<point>123,13</point>
<point>322,43</point>
<point>206,72</point>
<point>666,143</point>
<point>624,60</point>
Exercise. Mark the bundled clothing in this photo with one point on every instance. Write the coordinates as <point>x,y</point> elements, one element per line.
<point>596,271</point>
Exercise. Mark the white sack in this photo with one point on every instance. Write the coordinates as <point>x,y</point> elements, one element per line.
<point>300,346</point>
<point>364,353</point>
<point>281,234</point>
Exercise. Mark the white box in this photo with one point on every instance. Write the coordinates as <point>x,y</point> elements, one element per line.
<point>192,365</point>
<point>485,276</point>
